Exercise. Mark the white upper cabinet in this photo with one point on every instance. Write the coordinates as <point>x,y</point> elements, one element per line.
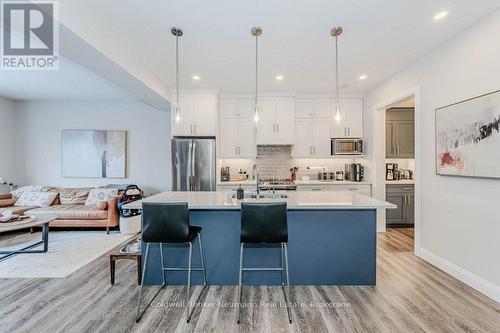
<point>312,138</point>
<point>312,108</point>
<point>276,120</point>
<point>197,115</point>
<point>237,128</point>
<point>351,119</point>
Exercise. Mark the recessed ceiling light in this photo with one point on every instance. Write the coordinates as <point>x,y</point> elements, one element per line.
<point>196,77</point>
<point>279,77</point>
<point>363,77</point>
<point>440,15</point>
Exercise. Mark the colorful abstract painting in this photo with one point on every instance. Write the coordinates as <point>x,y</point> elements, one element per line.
<point>93,153</point>
<point>468,137</point>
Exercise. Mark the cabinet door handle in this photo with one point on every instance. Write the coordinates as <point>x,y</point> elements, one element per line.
<point>277,128</point>
<point>409,200</point>
<point>274,128</point>
<point>398,150</point>
<point>353,189</point>
<point>348,131</point>
<point>195,129</point>
<point>315,189</point>
<point>235,151</point>
<point>314,150</point>
<point>407,188</point>
<point>406,199</point>
<point>310,150</point>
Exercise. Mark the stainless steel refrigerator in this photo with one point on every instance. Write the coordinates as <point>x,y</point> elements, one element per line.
<point>193,164</point>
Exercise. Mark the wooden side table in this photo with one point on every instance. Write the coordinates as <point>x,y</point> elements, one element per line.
<point>115,257</point>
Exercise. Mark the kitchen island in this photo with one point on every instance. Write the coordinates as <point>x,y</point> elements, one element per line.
<point>332,239</point>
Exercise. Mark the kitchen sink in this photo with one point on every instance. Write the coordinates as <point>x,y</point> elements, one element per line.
<point>253,195</point>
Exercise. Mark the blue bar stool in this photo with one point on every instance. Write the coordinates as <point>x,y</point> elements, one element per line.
<point>265,223</point>
<point>169,223</point>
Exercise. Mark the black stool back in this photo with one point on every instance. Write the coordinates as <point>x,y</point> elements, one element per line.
<point>165,223</point>
<point>264,223</point>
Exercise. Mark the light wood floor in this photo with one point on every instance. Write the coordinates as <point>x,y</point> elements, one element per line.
<point>410,296</point>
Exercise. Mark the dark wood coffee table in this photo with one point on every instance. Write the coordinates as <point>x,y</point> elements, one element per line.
<point>38,221</point>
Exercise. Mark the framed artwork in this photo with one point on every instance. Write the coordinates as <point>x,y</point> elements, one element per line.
<point>94,153</point>
<point>468,137</point>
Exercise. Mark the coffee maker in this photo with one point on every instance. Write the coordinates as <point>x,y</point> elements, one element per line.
<point>354,172</point>
<point>391,171</point>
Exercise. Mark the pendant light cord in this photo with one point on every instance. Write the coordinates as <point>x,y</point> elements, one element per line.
<point>177,69</point>
<point>337,67</point>
<point>256,72</point>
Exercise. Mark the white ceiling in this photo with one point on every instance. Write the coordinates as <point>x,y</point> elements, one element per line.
<point>381,38</point>
<point>70,82</point>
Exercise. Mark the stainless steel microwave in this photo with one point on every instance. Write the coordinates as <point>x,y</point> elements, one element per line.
<point>347,146</point>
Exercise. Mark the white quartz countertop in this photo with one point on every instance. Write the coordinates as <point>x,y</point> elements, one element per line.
<point>296,200</point>
<point>325,182</point>
<point>297,182</point>
<point>400,182</point>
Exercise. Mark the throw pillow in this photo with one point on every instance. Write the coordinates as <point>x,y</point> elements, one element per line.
<point>30,188</point>
<point>36,199</point>
<point>98,195</point>
<point>70,196</point>
<point>7,202</point>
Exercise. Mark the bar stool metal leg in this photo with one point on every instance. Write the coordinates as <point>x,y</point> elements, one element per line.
<point>188,317</point>
<point>202,261</point>
<point>190,313</point>
<point>240,282</point>
<point>287,285</point>
<point>139,313</point>
<point>164,280</point>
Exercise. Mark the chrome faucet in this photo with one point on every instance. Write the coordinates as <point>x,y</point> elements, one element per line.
<point>256,169</point>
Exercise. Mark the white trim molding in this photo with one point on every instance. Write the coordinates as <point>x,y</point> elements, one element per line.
<point>480,284</point>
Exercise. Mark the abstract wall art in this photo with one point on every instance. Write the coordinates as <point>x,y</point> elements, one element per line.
<point>468,137</point>
<point>94,153</point>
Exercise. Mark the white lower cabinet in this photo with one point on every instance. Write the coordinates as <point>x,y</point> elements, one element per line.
<point>364,189</point>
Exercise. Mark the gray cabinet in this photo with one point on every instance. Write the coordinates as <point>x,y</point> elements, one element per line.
<point>400,133</point>
<point>403,197</point>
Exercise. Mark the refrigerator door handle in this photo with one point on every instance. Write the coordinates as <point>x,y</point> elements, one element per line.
<point>193,167</point>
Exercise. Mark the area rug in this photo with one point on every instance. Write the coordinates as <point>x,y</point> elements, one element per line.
<point>68,252</point>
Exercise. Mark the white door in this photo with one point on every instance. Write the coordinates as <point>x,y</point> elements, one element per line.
<point>354,117</point>
<point>285,120</point>
<point>228,107</point>
<point>246,108</point>
<point>205,116</point>
<point>303,138</point>
<point>321,138</point>
<point>184,125</point>
<point>303,108</point>
<point>266,126</point>
<point>321,108</point>
<point>247,147</point>
<point>228,137</point>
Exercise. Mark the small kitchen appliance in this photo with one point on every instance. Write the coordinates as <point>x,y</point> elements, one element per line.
<point>391,171</point>
<point>355,172</point>
<point>347,146</point>
<point>224,174</point>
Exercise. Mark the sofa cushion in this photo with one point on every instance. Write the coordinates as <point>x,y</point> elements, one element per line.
<point>37,199</point>
<point>69,196</point>
<point>16,210</point>
<point>7,202</point>
<point>98,195</point>
<point>73,212</point>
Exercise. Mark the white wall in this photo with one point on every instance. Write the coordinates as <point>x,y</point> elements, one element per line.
<point>39,140</point>
<point>460,226</point>
<point>7,149</point>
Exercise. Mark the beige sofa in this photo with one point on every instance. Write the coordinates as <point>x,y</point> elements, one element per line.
<point>70,208</point>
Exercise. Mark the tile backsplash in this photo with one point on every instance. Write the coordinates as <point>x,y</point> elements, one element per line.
<point>276,161</point>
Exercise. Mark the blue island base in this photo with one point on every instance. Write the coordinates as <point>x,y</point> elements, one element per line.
<point>325,247</point>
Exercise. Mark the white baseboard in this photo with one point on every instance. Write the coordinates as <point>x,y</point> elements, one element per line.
<point>483,286</point>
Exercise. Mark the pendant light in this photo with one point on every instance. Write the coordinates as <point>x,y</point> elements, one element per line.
<point>336,32</point>
<point>177,32</point>
<point>256,32</point>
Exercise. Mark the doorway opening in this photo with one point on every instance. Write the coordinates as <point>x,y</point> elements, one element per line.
<point>396,164</point>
